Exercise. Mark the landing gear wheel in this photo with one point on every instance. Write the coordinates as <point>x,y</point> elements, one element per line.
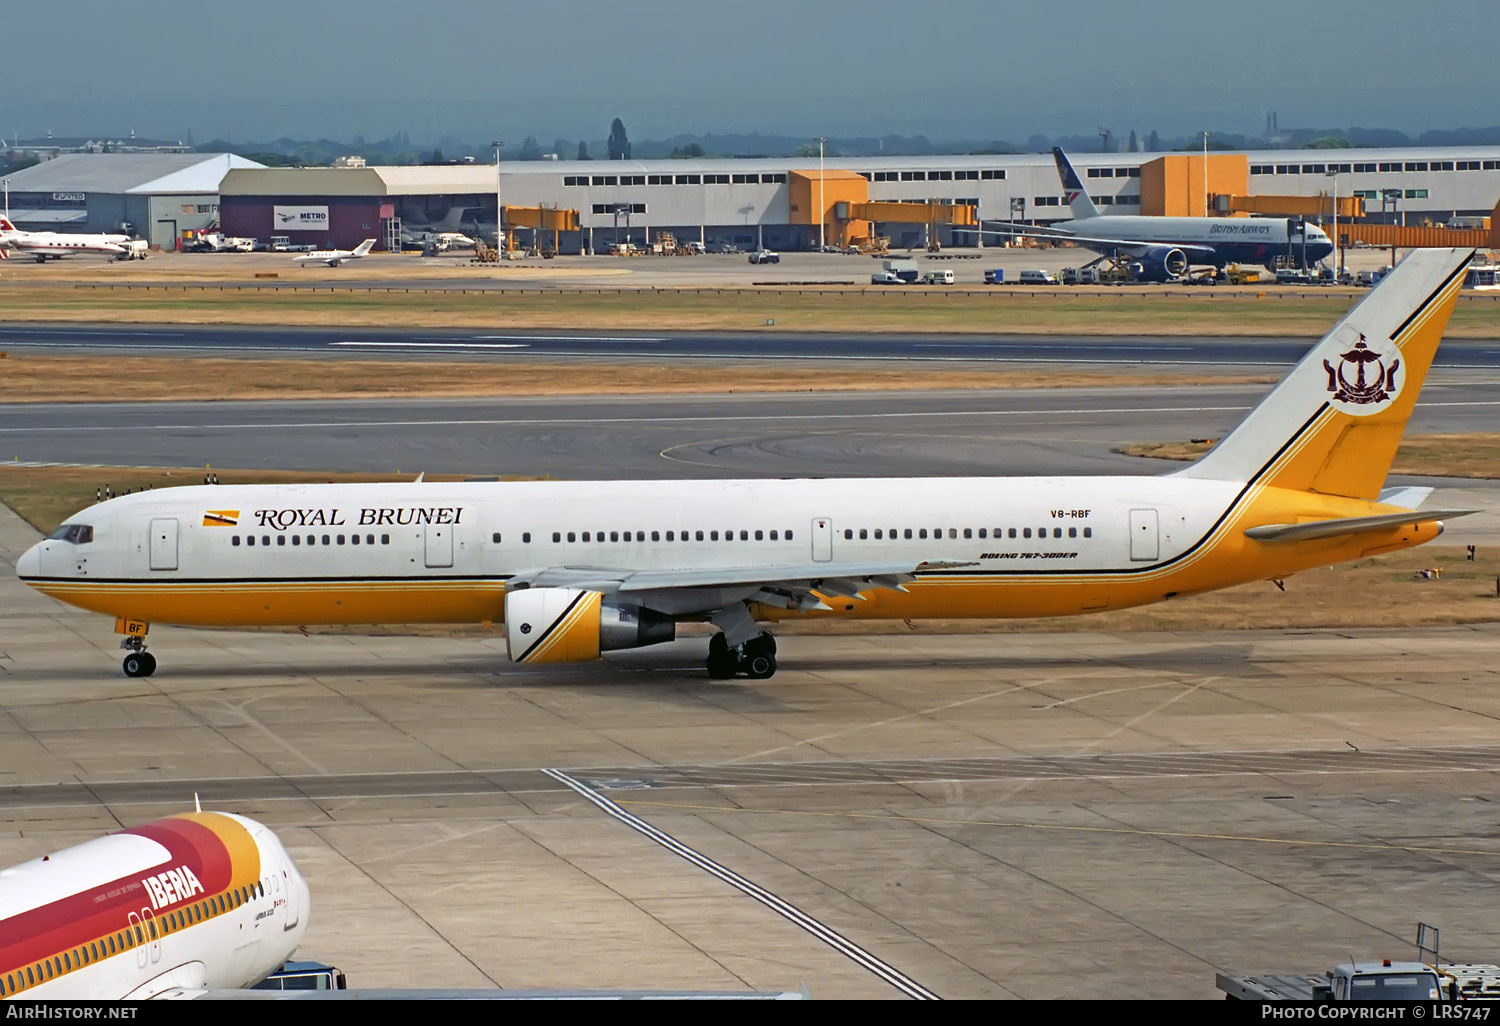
<point>139,664</point>
<point>722,666</point>
<point>758,657</point>
<point>718,647</point>
<point>760,666</point>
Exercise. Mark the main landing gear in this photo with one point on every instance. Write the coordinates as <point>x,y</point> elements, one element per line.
<point>756,658</point>
<point>139,662</point>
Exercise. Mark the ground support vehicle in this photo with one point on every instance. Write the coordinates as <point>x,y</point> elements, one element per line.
<point>1428,978</point>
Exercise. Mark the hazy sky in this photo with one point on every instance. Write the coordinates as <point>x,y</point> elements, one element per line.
<point>983,69</point>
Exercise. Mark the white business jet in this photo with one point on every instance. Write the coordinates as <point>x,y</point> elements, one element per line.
<point>334,257</point>
<point>44,246</point>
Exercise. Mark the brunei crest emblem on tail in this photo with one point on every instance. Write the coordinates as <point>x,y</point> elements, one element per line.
<point>1372,381</point>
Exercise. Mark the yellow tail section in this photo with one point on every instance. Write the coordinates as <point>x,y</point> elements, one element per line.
<point>1333,424</point>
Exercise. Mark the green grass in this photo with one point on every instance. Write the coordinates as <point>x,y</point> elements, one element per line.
<point>1282,312</point>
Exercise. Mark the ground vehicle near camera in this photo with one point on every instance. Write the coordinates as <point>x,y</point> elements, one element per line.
<point>1036,277</point>
<point>1427,978</point>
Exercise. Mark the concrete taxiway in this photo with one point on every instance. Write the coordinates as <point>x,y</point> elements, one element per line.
<point>1096,815</point>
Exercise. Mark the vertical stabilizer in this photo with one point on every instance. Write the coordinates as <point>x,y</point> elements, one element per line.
<point>1333,424</point>
<point>1078,197</point>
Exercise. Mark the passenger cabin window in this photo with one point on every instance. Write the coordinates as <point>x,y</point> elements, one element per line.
<point>495,538</point>
<point>235,541</point>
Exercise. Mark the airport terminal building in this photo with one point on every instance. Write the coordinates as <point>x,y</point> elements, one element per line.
<point>779,203</point>
<point>152,196</point>
<point>775,202</point>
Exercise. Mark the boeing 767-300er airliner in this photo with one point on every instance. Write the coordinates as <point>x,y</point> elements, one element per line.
<point>577,568</point>
<point>200,901</point>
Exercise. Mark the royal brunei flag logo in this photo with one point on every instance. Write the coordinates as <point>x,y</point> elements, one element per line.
<point>221,517</point>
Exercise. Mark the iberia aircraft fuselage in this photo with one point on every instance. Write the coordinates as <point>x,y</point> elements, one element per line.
<point>576,568</point>
<point>204,900</point>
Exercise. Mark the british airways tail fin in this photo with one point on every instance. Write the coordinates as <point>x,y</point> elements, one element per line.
<point>1078,197</point>
<point>1333,424</point>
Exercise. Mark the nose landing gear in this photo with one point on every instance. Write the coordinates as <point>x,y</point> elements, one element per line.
<point>139,662</point>
<point>755,658</point>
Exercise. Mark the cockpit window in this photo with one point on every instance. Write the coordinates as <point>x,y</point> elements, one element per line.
<point>78,534</point>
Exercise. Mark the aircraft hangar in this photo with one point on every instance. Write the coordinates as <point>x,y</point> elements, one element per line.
<point>153,196</point>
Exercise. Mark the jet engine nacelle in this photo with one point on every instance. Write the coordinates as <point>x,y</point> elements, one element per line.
<point>1163,263</point>
<point>569,625</point>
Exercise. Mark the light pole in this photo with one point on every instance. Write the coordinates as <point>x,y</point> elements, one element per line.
<point>822,210</point>
<point>1205,174</point>
<point>1333,173</point>
<point>499,210</point>
<point>1391,196</point>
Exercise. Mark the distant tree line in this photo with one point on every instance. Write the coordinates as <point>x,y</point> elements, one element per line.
<point>399,149</point>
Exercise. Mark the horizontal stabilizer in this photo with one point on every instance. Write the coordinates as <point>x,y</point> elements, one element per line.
<point>1350,525</point>
<point>1407,497</point>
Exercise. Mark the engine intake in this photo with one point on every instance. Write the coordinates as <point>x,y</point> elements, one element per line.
<point>1163,263</point>
<point>568,625</point>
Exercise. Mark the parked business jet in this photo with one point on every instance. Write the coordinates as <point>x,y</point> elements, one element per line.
<point>203,900</point>
<point>44,246</point>
<point>577,568</point>
<point>1166,247</point>
<point>334,257</point>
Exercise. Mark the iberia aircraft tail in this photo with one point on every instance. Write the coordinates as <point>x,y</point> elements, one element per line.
<point>1334,422</point>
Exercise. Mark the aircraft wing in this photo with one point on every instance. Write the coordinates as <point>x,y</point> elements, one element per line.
<point>788,585</point>
<point>1133,246</point>
<point>1350,525</point>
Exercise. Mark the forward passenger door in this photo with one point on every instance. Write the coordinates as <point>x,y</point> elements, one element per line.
<point>164,544</point>
<point>438,544</point>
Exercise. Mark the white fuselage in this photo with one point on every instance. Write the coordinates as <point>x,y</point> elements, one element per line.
<point>61,243</point>
<point>1233,239</point>
<point>423,552</point>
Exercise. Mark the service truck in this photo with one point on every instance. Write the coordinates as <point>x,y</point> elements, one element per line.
<point>1426,979</point>
<point>906,270</point>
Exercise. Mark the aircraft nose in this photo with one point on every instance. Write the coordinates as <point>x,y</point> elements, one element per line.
<point>30,563</point>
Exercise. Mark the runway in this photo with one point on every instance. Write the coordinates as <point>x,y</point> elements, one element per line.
<point>376,343</point>
<point>1007,431</point>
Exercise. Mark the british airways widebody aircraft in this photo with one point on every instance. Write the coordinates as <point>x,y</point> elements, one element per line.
<point>1166,247</point>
